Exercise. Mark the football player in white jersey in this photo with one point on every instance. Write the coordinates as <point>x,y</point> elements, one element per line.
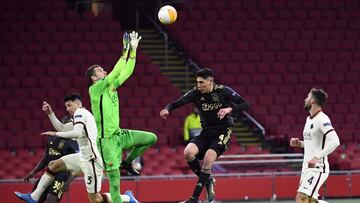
<point>319,140</point>
<point>88,161</point>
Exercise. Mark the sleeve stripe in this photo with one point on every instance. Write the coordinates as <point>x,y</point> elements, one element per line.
<point>328,131</point>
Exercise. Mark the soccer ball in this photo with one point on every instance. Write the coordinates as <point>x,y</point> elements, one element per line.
<point>167,15</point>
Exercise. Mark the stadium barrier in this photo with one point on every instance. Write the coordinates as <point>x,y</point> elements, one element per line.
<point>237,186</point>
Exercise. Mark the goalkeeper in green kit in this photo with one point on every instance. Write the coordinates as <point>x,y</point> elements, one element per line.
<point>112,140</point>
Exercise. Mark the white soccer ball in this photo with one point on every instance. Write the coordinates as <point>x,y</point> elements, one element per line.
<point>167,15</point>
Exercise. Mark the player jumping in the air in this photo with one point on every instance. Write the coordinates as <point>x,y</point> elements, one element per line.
<point>215,102</point>
<point>112,140</point>
<point>56,148</point>
<point>88,161</point>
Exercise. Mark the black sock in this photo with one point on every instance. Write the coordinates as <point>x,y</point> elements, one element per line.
<point>195,166</point>
<point>203,179</point>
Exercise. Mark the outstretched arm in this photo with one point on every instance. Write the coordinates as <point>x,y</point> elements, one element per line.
<point>54,120</point>
<point>74,133</point>
<point>100,86</point>
<point>130,64</point>
<point>185,99</point>
<point>120,65</point>
<point>40,166</point>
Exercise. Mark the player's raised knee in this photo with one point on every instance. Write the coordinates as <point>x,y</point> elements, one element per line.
<point>52,165</point>
<point>189,154</point>
<point>56,165</point>
<point>153,138</point>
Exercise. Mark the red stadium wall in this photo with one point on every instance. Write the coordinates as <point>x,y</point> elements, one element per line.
<point>227,188</point>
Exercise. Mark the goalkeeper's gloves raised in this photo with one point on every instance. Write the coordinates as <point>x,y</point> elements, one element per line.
<point>126,45</point>
<point>134,42</point>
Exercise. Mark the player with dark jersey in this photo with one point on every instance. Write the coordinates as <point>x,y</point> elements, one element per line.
<point>56,148</point>
<point>215,103</point>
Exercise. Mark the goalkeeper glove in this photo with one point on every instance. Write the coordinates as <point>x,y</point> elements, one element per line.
<point>126,45</point>
<point>134,42</point>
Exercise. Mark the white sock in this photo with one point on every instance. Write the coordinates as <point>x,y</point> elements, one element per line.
<point>44,183</point>
<point>125,198</point>
<point>322,201</point>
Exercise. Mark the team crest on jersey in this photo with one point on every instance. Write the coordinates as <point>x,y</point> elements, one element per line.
<point>202,99</point>
<point>61,144</point>
<point>215,97</point>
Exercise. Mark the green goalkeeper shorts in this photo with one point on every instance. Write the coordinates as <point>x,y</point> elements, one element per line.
<point>111,148</point>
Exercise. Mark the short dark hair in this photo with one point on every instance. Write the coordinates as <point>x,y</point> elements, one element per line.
<point>90,72</point>
<point>72,97</point>
<point>66,119</point>
<point>205,73</point>
<point>320,96</point>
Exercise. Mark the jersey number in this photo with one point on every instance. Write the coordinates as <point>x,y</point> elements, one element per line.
<point>311,180</point>
<point>89,180</point>
<point>57,186</point>
<point>224,139</point>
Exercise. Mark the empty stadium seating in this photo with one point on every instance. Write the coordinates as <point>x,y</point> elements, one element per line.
<point>273,52</point>
<point>45,55</point>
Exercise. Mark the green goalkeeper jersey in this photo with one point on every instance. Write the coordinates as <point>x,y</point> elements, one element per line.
<point>104,98</point>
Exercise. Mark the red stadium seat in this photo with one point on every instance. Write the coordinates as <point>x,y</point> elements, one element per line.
<point>16,142</point>
<point>59,37</point>
<point>35,141</point>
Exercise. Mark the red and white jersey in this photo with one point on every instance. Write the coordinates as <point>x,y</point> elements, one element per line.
<point>87,140</point>
<point>315,131</point>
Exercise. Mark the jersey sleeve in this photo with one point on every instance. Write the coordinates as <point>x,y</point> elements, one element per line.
<point>325,125</point>
<point>79,123</point>
<point>125,73</point>
<point>100,86</point>
<point>239,103</point>
<point>79,117</point>
<point>185,99</point>
<point>331,138</point>
<point>118,68</point>
<point>58,125</point>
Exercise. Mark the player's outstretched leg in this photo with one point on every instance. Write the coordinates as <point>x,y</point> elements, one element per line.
<point>46,179</point>
<point>25,197</point>
<point>141,141</point>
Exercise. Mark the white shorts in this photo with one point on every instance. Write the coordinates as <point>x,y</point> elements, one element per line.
<point>310,182</point>
<point>92,170</point>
